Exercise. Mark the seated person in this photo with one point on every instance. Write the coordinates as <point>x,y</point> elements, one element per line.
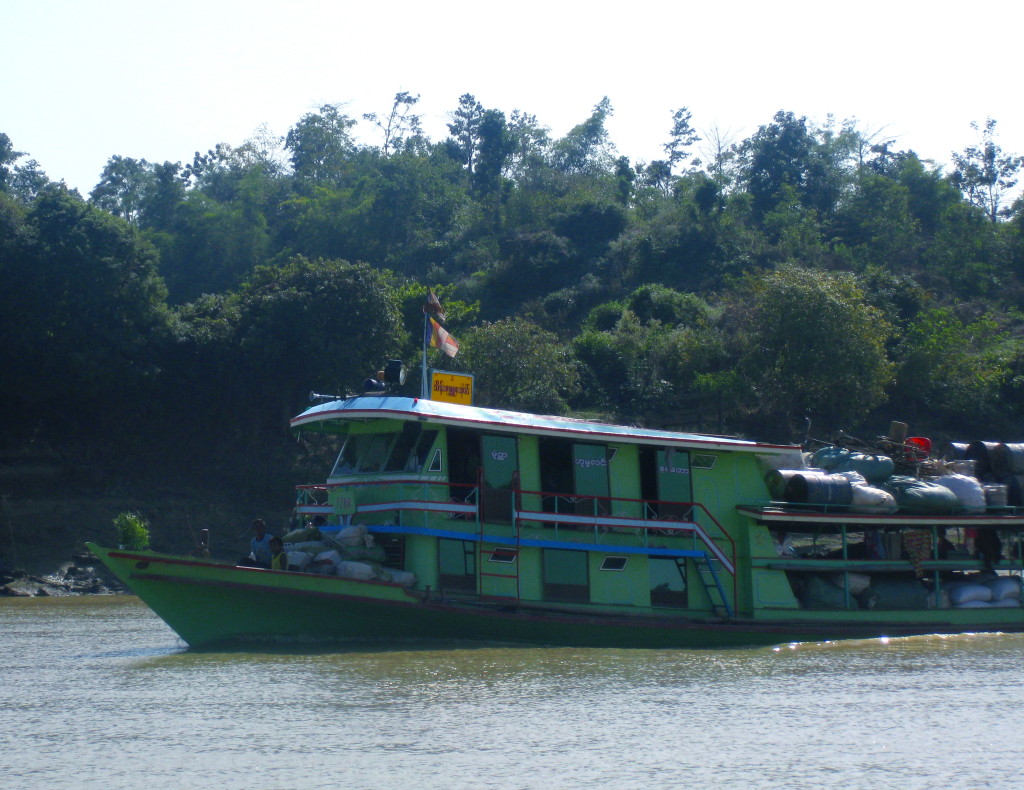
<point>278,556</point>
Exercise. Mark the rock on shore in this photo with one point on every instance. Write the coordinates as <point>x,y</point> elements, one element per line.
<point>83,576</point>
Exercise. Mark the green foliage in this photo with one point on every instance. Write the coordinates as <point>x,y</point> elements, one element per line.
<point>644,355</point>
<point>809,345</point>
<point>985,173</point>
<point>681,289</point>
<point>320,145</point>
<point>320,324</point>
<point>947,367</point>
<point>81,307</point>
<point>132,531</point>
<point>518,365</point>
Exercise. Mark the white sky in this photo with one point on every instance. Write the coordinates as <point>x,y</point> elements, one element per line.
<point>87,79</point>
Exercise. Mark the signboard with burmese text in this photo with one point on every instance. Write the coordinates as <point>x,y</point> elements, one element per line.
<point>451,387</point>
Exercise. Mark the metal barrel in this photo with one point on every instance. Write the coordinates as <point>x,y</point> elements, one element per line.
<point>981,452</point>
<point>811,487</point>
<point>1007,459</point>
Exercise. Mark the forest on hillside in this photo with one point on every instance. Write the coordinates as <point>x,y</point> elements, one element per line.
<point>808,272</point>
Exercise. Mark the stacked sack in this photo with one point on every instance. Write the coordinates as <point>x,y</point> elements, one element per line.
<point>349,553</point>
<point>864,473</point>
<point>996,592</point>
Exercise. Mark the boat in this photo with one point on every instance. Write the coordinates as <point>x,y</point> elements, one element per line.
<point>446,520</point>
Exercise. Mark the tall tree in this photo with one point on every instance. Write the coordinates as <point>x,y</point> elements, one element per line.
<point>812,347</point>
<point>985,173</point>
<point>122,187</point>
<point>682,137</point>
<point>776,157</point>
<point>587,148</point>
<point>8,156</point>
<point>320,145</point>
<point>464,129</point>
<point>401,127</point>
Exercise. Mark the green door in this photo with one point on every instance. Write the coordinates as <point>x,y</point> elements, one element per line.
<point>501,462</point>
<point>674,483</point>
<point>590,475</point>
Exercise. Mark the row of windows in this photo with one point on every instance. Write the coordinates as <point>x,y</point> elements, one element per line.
<point>406,450</point>
<point>398,451</point>
<point>566,576</point>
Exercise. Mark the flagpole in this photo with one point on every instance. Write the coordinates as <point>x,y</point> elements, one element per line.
<point>423,386</point>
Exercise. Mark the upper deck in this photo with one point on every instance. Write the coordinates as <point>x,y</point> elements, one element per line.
<point>332,416</point>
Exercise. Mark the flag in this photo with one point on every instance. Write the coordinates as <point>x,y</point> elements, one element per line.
<point>433,306</point>
<point>438,338</point>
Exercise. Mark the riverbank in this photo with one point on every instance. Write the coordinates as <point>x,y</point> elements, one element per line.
<point>49,509</point>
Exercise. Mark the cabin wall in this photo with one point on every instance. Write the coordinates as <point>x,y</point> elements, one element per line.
<point>624,479</point>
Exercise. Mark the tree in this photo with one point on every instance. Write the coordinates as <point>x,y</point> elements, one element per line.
<point>7,157</point>
<point>122,187</point>
<point>314,324</point>
<point>28,181</point>
<point>518,365</point>
<point>81,309</point>
<point>465,129</point>
<point>587,148</point>
<point>776,157</point>
<point>400,127</point>
<point>682,137</point>
<point>985,173</point>
<point>811,346</point>
<point>320,145</point>
<point>949,367</point>
<point>529,142</point>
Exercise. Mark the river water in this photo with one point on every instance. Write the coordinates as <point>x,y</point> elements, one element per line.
<point>96,692</point>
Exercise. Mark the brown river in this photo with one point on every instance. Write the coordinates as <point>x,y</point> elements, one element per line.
<point>96,692</point>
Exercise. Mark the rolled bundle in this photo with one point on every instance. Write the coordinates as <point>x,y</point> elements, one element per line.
<point>918,496</point>
<point>968,491</point>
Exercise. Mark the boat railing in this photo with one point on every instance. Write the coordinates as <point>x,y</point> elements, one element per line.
<point>420,503</point>
<point>649,520</point>
<point>381,498</point>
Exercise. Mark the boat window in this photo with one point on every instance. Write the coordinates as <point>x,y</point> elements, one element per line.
<point>456,564</point>
<point>668,581</point>
<point>404,446</point>
<point>419,453</point>
<point>613,563</point>
<point>435,461</point>
<point>565,576</point>
<point>703,461</point>
<point>348,458</point>
<point>503,555</point>
<point>376,452</point>
<point>410,448</point>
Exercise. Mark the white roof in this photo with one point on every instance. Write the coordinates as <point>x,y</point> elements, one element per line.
<point>364,407</point>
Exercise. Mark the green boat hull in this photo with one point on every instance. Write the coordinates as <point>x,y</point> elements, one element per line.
<point>212,603</point>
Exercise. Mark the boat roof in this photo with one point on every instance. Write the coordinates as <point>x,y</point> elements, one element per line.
<point>329,416</point>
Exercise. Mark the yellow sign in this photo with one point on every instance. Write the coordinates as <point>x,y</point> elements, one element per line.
<point>451,387</point>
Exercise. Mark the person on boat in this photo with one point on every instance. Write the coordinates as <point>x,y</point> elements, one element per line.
<point>278,556</point>
<point>259,546</point>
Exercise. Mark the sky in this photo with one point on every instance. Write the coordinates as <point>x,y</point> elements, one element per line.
<point>84,80</point>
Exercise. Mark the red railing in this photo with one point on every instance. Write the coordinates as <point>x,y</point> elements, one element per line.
<point>556,509</point>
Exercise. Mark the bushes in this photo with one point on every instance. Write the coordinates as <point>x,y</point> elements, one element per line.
<point>132,531</point>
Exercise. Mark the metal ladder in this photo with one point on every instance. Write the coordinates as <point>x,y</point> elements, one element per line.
<point>707,570</point>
